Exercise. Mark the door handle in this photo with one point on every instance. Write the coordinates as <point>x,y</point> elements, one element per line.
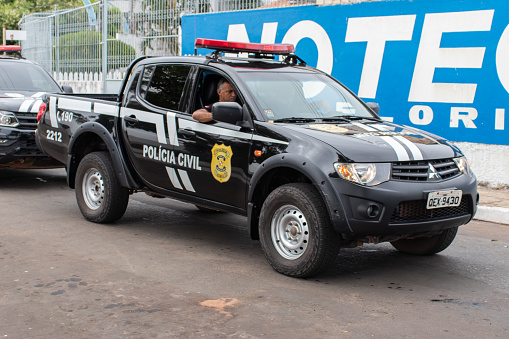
<point>131,119</point>
<point>186,133</point>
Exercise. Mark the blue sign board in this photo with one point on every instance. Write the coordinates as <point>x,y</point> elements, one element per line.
<point>438,65</point>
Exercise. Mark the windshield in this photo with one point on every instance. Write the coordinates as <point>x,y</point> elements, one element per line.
<point>21,76</point>
<point>302,95</point>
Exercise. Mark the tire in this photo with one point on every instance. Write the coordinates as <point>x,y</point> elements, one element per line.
<point>100,196</point>
<point>295,231</point>
<point>426,245</point>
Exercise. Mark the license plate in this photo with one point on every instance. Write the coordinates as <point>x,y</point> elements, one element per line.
<point>441,199</point>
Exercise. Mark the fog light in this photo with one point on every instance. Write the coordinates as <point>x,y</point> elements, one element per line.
<point>368,210</point>
<point>373,211</point>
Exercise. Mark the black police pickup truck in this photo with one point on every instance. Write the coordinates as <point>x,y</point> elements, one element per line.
<point>312,167</point>
<point>22,84</point>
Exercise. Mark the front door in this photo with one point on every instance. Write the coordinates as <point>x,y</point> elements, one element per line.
<point>220,149</point>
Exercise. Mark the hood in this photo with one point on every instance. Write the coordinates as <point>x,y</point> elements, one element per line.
<point>20,101</point>
<point>378,141</point>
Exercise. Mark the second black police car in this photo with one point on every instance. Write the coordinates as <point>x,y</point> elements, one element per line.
<point>22,85</point>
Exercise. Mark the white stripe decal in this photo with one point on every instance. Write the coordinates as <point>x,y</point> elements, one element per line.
<point>172,128</point>
<point>401,152</point>
<point>381,127</point>
<point>364,127</point>
<point>152,118</point>
<point>35,107</point>
<point>416,152</point>
<point>186,181</point>
<point>173,177</point>
<point>53,112</point>
<point>107,109</point>
<point>74,105</point>
<point>269,140</point>
<point>38,94</point>
<point>200,127</point>
<point>25,106</point>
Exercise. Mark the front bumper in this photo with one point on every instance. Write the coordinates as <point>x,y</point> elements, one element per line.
<point>398,208</point>
<point>18,150</point>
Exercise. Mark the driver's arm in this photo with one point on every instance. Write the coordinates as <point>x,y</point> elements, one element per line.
<point>202,115</point>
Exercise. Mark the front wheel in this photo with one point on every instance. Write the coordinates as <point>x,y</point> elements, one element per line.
<point>295,231</point>
<point>100,196</point>
<point>426,245</point>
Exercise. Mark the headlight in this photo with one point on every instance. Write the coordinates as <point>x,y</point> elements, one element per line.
<point>8,119</point>
<point>463,165</point>
<point>364,174</point>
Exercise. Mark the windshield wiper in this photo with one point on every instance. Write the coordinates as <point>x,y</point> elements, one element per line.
<point>356,117</point>
<point>336,118</point>
<point>295,119</point>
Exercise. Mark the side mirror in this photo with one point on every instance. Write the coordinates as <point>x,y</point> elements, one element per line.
<point>229,112</point>
<point>67,89</point>
<point>373,106</point>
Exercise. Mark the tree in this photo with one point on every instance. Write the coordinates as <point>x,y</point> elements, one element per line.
<point>11,11</point>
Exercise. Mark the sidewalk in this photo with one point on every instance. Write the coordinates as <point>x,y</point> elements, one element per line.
<point>493,205</point>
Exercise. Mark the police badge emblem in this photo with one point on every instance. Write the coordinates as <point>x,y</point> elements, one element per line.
<point>221,165</point>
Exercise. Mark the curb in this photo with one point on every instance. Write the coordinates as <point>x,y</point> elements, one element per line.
<point>492,214</point>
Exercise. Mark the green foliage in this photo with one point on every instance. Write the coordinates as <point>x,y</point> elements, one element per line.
<point>83,48</point>
<point>11,11</point>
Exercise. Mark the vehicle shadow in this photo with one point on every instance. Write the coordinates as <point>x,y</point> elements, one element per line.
<point>172,220</point>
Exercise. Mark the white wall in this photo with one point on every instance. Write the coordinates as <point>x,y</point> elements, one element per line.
<point>489,162</point>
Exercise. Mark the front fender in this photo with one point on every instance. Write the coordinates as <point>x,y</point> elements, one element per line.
<point>318,177</point>
<point>100,131</point>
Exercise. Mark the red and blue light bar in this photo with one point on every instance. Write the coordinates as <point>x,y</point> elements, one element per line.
<point>245,47</point>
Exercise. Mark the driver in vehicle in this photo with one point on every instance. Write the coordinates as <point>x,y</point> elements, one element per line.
<point>226,93</point>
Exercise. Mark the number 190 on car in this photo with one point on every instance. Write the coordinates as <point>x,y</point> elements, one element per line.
<point>444,199</point>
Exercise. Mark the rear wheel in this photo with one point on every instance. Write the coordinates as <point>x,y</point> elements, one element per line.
<point>100,196</point>
<point>426,245</point>
<point>295,231</point>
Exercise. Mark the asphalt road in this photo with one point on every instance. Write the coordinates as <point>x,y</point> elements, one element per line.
<point>167,269</point>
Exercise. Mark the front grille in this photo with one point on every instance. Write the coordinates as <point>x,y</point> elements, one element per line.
<point>419,170</point>
<point>413,211</point>
<point>27,120</point>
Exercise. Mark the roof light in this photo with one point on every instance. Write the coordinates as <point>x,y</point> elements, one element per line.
<point>11,48</point>
<point>231,46</point>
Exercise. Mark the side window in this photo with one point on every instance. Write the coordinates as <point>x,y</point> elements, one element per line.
<point>206,89</point>
<point>163,85</point>
<point>130,92</point>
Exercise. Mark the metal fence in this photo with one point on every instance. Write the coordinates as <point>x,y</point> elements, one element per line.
<point>71,44</point>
